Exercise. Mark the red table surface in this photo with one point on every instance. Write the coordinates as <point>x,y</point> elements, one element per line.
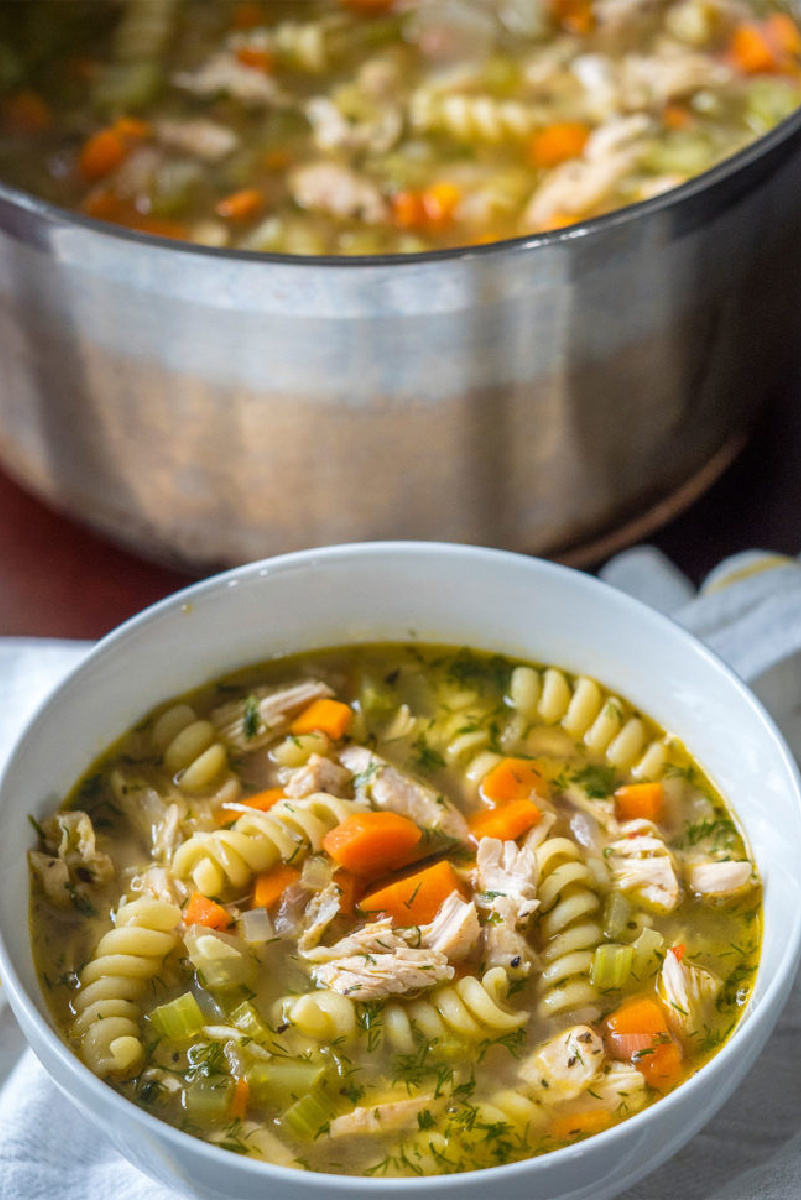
<point>58,579</point>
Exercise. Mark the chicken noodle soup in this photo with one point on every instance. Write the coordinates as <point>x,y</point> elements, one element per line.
<point>363,127</point>
<point>395,910</point>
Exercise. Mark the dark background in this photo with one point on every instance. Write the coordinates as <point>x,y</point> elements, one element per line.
<point>57,579</point>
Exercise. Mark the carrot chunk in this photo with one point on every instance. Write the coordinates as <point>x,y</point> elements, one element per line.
<point>567,1127</point>
<point>750,50</point>
<point>440,202</point>
<point>676,116</point>
<point>258,59</point>
<point>576,16</point>
<point>511,779</point>
<point>508,822</point>
<point>102,153</point>
<point>417,898</point>
<point>408,210</point>
<point>372,843</point>
<point>247,15</point>
<point>640,1014</point>
<point>324,716</point>
<point>782,31</point>
<point>639,800</point>
<point>559,142</point>
<point>202,911</point>
<point>240,206</point>
<point>239,1100</point>
<point>264,801</point>
<point>26,112</point>
<point>637,1032</point>
<point>661,1065</point>
<point>270,885</point>
<point>350,889</point>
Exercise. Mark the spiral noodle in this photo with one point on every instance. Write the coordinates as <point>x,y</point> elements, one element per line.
<point>471,118</point>
<point>470,1008</point>
<point>325,1016</point>
<point>193,754</point>
<point>586,711</point>
<point>257,840</point>
<point>510,1107</point>
<point>125,960</point>
<point>569,928</point>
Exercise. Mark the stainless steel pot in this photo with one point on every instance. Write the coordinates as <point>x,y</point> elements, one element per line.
<point>211,407</point>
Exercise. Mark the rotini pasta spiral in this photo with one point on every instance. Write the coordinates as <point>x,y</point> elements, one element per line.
<point>586,711</point>
<point>323,1015</point>
<point>193,753</point>
<point>569,928</point>
<point>257,840</point>
<point>125,960</point>
<point>471,118</point>
<point>471,1008</point>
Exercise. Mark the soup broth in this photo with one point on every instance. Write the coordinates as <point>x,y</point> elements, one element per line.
<point>362,127</point>
<point>395,910</point>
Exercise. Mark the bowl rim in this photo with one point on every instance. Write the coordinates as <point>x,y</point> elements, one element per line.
<point>594,227</point>
<point>775,990</point>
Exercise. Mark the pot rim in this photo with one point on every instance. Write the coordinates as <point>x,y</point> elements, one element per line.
<point>708,180</point>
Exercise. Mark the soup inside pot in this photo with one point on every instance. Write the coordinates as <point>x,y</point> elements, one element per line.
<point>395,910</point>
<point>359,127</point>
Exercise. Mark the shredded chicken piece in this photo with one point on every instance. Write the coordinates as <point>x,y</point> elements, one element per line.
<point>580,184</point>
<point>196,136</point>
<point>644,865</point>
<point>71,837</point>
<point>376,976</point>
<point>390,789</point>
<point>318,775</point>
<point>318,915</point>
<point>274,708</point>
<point>223,72</point>
<point>507,872</point>
<point>377,961</point>
<point>688,993</point>
<point>159,883</point>
<point>156,820</point>
<point>383,1118</point>
<point>652,80</point>
<point>506,886</point>
<point>376,938</point>
<point>333,188</point>
<point>455,929</point>
<point>504,946</point>
<point>332,130</point>
<point>55,876</point>
<point>567,1064</point>
<point>726,878</point>
<point>621,1088</point>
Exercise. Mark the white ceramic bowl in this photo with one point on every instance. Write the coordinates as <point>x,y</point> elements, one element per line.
<point>394,592</point>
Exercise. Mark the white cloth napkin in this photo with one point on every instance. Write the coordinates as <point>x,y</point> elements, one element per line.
<point>749,611</point>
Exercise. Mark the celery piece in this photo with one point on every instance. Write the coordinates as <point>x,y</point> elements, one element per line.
<point>611,966</point>
<point>680,152</point>
<point>179,1020</point>
<point>769,101</point>
<point>247,1019</point>
<point>126,87</point>
<point>209,1098</point>
<point>648,951</point>
<point>306,1119</point>
<point>617,914</point>
<point>281,1080</point>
